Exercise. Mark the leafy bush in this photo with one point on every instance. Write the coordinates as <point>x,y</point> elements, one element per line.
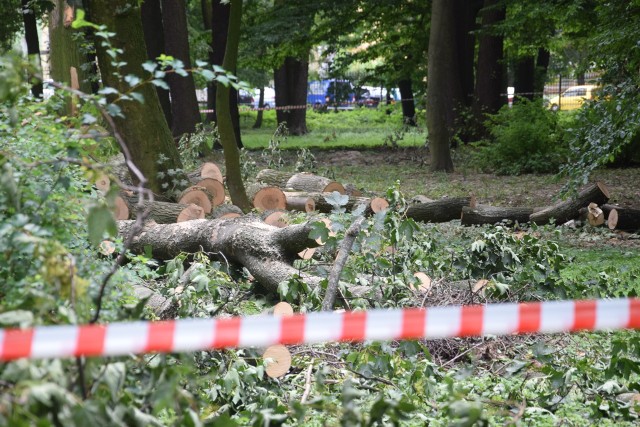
<point>526,138</point>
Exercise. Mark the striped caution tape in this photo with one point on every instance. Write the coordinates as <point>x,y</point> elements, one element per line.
<point>286,107</point>
<point>262,331</point>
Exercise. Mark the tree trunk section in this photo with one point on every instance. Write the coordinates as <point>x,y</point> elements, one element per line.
<point>408,103</point>
<point>259,115</point>
<point>291,90</point>
<point>442,210</point>
<point>225,125</point>
<point>143,127</point>
<point>266,251</point>
<point>266,197</point>
<point>33,43</point>
<point>305,181</point>
<point>524,77</point>
<point>466,12</point>
<point>619,218</point>
<point>566,210</point>
<point>372,205</point>
<point>162,212</point>
<point>444,88</point>
<point>494,214</point>
<point>151,14</point>
<point>184,104</point>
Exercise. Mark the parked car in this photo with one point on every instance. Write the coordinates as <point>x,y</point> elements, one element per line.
<point>245,98</point>
<point>573,97</point>
<point>269,98</point>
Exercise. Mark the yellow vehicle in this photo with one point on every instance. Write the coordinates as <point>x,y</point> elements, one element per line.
<point>573,97</point>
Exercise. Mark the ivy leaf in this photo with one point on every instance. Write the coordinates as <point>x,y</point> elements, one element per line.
<point>100,221</point>
<point>320,231</point>
<point>160,83</point>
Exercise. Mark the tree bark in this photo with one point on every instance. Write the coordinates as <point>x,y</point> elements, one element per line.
<point>161,212</point>
<point>372,205</point>
<point>33,43</point>
<point>408,103</point>
<point>466,12</point>
<point>444,89</point>
<point>305,181</point>
<point>524,77</point>
<point>291,89</point>
<point>184,104</point>
<point>619,218</point>
<point>442,210</point>
<point>143,126</point>
<point>151,14</point>
<point>490,81</point>
<point>566,210</point>
<point>225,125</point>
<point>266,251</point>
<point>494,214</point>
<point>259,115</point>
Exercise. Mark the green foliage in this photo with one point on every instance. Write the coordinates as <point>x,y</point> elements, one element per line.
<point>191,146</point>
<point>526,138</point>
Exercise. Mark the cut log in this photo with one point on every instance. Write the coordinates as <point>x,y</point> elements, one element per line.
<point>352,190</point>
<point>225,211</point>
<point>566,210</point>
<point>273,177</point>
<point>305,181</point>
<point>189,213</point>
<point>277,360</point>
<point>165,212</point>
<point>619,218</point>
<point>120,209</point>
<point>595,215</point>
<point>275,218</point>
<point>197,195</point>
<point>211,170</point>
<point>265,197</point>
<point>484,214</point>
<point>266,251</point>
<point>103,183</point>
<point>215,188</point>
<point>323,206</point>
<point>300,204</point>
<point>107,248</point>
<point>442,210</point>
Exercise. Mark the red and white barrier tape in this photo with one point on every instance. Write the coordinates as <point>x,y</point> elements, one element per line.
<point>286,107</point>
<point>261,331</point>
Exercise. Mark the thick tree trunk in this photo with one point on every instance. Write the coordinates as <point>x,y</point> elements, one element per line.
<point>266,251</point>
<point>525,77</point>
<point>225,125</point>
<point>444,89</point>
<point>466,12</point>
<point>494,214</point>
<point>33,43</point>
<point>143,126</point>
<point>408,104</point>
<point>619,218</point>
<point>442,210</point>
<point>291,89</point>
<point>259,115</point>
<point>490,81</point>
<point>163,212</point>
<point>371,205</point>
<point>151,13</point>
<point>184,104</point>
<point>566,210</point>
<point>542,65</point>
<point>64,51</point>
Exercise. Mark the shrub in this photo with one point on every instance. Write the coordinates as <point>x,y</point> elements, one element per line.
<point>526,138</point>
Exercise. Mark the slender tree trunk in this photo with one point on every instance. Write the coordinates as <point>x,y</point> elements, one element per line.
<point>490,77</point>
<point>220,15</point>
<point>444,89</point>
<point>154,40</point>
<point>64,51</point>
<point>258,123</point>
<point>466,12</point>
<point>291,89</point>
<point>236,188</point>
<point>542,65</point>
<point>33,43</point>
<point>143,127</point>
<point>408,104</point>
<point>184,104</point>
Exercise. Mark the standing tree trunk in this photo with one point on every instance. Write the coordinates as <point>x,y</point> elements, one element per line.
<point>542,66</point>
<point>408,103</point>
<point>524,76</point>
<point>258,123</point>
<point>236,188</point>
<point>64,51</point>
<point>490,70</point>
<point>33,43</point>
<point>466,12</point>
<point>143,126</point>
<point>444,89</point>
<point>218,21</point>
<point>291,89</point>
<point>184,104</point>
<point>151,13</point>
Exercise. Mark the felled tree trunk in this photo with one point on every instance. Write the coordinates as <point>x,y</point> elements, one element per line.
<point>372,205</point>
<point>569,209</point>
<point>442,210</point>
<point>305,181</point>
<point>266,251</point>
<point>167,213</point>
<point>619,218</point>
<point>484,214</point>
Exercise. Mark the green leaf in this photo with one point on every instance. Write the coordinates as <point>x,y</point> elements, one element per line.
<point>16,318</point>
<point>160,83</point>
<point>100,220</point>
<point>150,66</point>
<point>114,376</point>
<point>132,79</point>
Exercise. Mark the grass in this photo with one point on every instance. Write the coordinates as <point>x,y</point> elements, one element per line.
<point>358,129</point>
